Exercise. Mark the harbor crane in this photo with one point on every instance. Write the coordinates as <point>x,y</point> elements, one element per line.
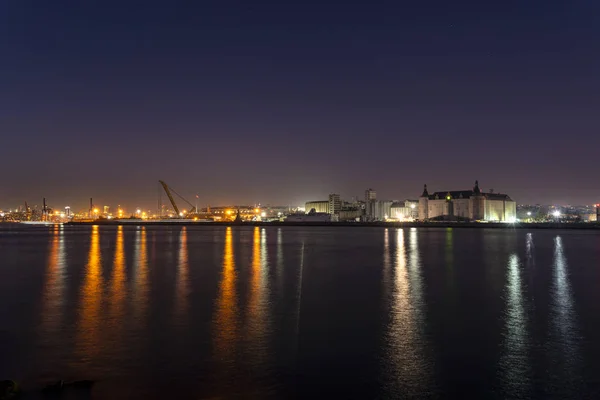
<point>169,191</point>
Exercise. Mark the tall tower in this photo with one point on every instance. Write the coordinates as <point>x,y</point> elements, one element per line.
<point>370,199</point>
<point>477,203</point>
<point>424,204</point>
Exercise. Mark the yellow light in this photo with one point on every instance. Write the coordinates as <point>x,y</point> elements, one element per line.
<point>228,212</point>
<point>96,211</point>
<point>256,210</point>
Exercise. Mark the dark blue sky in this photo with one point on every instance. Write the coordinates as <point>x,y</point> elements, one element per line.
<point>283,102</point>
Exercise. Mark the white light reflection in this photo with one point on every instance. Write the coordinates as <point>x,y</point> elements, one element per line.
<point>405,337</point>
<point>529,249</point>
<point>299,296</point>
<point>564,335</point>
<point>387,264</point>
<point>515,362</point>
<point>279,268</point>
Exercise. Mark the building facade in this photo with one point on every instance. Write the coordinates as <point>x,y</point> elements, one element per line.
<point>467,205</point>
<point>381,210</point>
<point>370,200</point>
<point>335,203</point>
<point>320,206</point>
<point>407,210</point>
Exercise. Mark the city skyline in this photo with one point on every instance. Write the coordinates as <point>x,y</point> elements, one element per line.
<point>83,204</point>
<point>287,102</point>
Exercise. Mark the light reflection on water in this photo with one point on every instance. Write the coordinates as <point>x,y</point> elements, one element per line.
<point>406,364</point>
<point>243,322</point>
<point>141,287</point>
<point>182,286</point>
<point>564,335</point>
<point>257,317</point>
<point>226,312</point>
<point>89,325</point>
<point>515,362</point>
<point>117,291</point>
<point>54,287</point>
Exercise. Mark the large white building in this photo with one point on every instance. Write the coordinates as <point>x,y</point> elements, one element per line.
<point>467,204</point>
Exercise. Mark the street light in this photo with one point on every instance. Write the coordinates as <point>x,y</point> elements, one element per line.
<point>556,213</point>
<point>529,213</point>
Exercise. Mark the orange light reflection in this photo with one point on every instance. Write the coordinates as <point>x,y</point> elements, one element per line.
<point>182,289</point>
<point>226,324</point>
<point>52,305</point>
<point>141,288</point>
<point>88,332</point>
<point>117,288</point>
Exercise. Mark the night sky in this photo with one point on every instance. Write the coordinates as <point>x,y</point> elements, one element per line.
<point>283,102</point>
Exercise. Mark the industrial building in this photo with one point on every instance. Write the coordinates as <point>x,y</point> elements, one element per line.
<point>472,205</point>
<point>335,204</point>
<point>311,216</point>
<point>320,206</point>
<point>407,210</point>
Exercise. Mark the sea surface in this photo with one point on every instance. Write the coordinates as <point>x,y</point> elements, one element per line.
<point>301,312</point>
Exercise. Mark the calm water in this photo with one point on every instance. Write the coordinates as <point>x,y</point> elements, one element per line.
<point>215,312</point>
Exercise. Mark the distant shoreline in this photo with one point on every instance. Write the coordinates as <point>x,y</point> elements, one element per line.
<point>479,225</point>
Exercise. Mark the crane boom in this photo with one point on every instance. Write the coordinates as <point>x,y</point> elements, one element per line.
<point>192,208</point>
<point>168,192</point>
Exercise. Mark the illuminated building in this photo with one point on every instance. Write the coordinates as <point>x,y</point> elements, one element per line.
<point>407,210</point>
<point>381,209</point>
<point>320,206</point>
<point>467,204</point>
